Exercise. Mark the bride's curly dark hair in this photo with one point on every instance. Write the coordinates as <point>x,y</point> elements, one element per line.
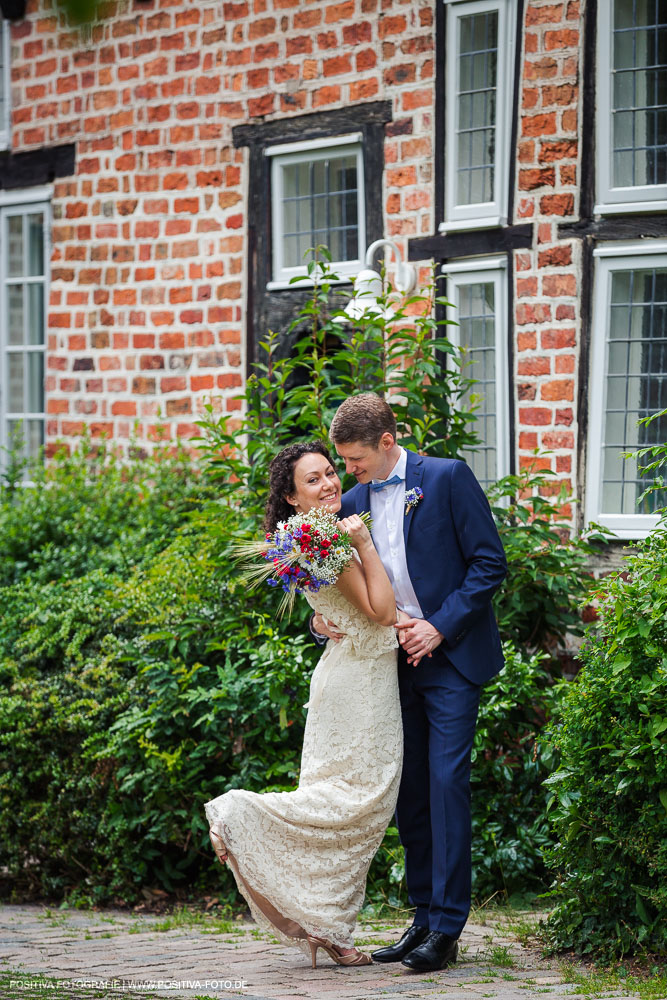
<point>281,479</point>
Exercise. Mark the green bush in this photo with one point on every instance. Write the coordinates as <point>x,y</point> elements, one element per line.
<point>609,805</point>
<point>138,678</point>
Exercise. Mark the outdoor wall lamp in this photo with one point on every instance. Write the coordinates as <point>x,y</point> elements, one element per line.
<point>368,284</point>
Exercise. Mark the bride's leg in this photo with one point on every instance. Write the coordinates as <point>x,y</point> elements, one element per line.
<point>218,846</point>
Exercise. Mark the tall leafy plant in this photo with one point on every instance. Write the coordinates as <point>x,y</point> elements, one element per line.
<point>294,397</point>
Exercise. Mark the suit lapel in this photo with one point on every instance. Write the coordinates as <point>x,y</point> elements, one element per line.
<point>414,473</point>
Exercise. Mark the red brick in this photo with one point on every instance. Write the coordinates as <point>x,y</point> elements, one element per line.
<point>537,125</point>
<point>337,65</point>
<point>526,287</point>
<point>122,408</point>
<point>526,391</point>
<point>142,385</point>
<point>565,417</point>
<point>535,415</point>
<point>259,29</point>
<point>558,440</point>
<point>559,284</point>
<point>545,68</point>
<point>564,38</point>
<point>534,366</point>
<point>544,15</point>
<point>363,89</point>
<point>538,312</point>
<point>395,25</point>
<point>557,339</point>
<point>538,177</point>
<point>416,99</point>
<point>555,257</point>
<point>526,340</point>
<point>298,46</point>
<point>527,440</point>
<point>557,204</point>
<point>326,95</point>
<point>557,390</point>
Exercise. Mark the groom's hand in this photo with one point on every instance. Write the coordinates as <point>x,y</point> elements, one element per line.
<point>418,638</point>
<point>324,627</point>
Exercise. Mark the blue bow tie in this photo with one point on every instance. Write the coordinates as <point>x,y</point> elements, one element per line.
<point>376,487</point>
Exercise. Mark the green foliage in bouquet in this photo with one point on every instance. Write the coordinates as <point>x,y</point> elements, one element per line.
<point>609,794</point>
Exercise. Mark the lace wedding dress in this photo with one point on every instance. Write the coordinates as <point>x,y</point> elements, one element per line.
<point>300,858</point>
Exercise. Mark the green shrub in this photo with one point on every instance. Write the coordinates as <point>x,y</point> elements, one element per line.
<point>138,678</point>
<point>609,807</point>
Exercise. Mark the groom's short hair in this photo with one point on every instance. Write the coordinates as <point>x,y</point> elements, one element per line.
<point>363,418</point>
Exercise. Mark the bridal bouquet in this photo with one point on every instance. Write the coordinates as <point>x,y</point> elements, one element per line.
<point>306,552</point>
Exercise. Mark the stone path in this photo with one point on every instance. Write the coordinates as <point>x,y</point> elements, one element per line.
<point>111,954</point>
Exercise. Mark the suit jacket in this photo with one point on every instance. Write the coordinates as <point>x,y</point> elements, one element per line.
<point>455,559</point>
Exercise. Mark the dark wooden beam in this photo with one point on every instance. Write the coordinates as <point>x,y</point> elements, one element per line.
<point>37,166</point>
<point>312,126</point>
<point>616,227</point>
<point>471,243</point>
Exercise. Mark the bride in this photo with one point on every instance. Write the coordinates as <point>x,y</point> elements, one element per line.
<point>300,858</point>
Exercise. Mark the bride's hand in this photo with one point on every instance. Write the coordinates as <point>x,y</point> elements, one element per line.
<point>401,617</point>
<point>360,536</point>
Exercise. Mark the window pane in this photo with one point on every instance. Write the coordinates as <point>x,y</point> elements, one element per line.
<point>35,226</point>
<point>35,382</point>
<point>636,384</point>
<point>476,107</point>
<point>15,245</point>
<point>320,207</point>
<point>36,314</point>
<point>15,374</point>
<point>477,334</point>
<point>15,314</point>
<point>639,86</point>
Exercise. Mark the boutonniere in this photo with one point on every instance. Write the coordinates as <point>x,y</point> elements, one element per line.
<point>413,497</point>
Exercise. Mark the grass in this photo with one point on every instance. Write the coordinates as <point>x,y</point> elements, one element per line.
<point>599,982</point>
<point>501,956</point>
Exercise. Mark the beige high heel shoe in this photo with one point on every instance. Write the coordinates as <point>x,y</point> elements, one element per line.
<point>356,958</point>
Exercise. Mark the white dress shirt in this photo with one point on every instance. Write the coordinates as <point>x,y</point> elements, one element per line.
<point>388,513</point>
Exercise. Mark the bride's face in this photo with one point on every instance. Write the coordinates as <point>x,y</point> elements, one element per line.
<point>316,484</point>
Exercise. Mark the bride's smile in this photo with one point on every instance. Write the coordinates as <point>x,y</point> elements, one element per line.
<point>316,484</point>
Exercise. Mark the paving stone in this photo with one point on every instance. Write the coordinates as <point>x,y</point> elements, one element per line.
<point>181,963</point>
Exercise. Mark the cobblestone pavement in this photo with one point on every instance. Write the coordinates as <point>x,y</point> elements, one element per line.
<point>112,954</point>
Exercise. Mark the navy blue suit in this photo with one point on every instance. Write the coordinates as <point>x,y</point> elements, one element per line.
<point>456,563</point>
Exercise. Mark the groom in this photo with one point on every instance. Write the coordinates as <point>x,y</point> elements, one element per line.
<point>435,535</point>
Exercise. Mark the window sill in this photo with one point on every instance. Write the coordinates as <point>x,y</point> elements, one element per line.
<point>466,225</point>
<point>629,207</point>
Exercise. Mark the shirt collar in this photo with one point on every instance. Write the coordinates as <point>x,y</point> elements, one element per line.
<point>399,469</point>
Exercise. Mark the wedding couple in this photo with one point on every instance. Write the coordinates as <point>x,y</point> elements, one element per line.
<point>389,726</point>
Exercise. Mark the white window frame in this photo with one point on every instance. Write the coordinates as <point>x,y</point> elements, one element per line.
<point>487,270</point>
<point>483,215</point>
<point>308,152</point>
<point>6,115</point>
<point>13,203</point>
<point>610,258</point>
<point>611,200</point>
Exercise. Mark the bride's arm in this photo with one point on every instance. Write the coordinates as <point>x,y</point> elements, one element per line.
<point>366,584</point>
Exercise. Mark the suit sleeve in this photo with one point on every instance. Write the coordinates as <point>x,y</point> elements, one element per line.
<point>482,553</point>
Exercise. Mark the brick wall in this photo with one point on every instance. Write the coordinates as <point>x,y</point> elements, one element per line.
<point>146,319</point>
<point>547,277</point>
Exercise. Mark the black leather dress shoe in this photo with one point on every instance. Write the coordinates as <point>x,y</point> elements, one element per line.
<point>396,952</point>
<point>435,952</point>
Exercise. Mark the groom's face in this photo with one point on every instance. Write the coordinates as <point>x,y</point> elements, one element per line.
<point>365,462</point>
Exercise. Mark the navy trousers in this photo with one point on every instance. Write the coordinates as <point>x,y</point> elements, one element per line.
<point>439,708</point>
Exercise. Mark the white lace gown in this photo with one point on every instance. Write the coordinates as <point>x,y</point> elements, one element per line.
<point>301,858</point>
